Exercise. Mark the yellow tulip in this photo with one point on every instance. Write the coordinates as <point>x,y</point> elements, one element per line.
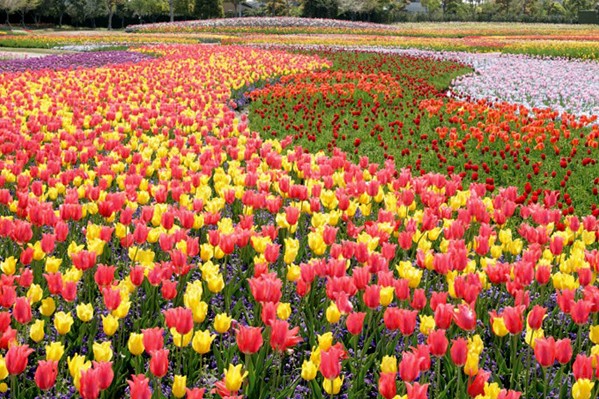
<point>325,341</point>
<point>222,323</point>
<point>283,310</point>
<point>63,322</point>
<point>110,324</point>
<point>135,344</point>
<point>54,351</point>
<point>202,340</point>
<point>582,388</point>
<point>234,377</point>
<point>102,351</point>
<point>389,364</point>
<point>309,370</point>
<point>85,312</point>
<point>332,387</point>
<point>37,332</point>
<point>332,313</point>
<point>179,386</point>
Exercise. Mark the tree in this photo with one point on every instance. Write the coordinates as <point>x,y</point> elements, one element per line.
<point>206,9</point>
<point>111,7</point>
<point>147,8</point>
<point>53,8</point>
<point>320,8</point>
<point>20,6</point>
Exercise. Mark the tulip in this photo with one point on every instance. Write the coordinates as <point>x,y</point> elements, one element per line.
<point>45,374</point>
<point>159,362</point>
<point>332,386</point>
<point>104,374</point>
<point>417,391</point>
<point>63,322</point>
<point>222,323</point>
<point>355,322</point>
<point>54,351</point>
<point>102,351</point>
<point>135,344</point>
<point>438,343</point>
<point>89,387</point>
<point>22,310</point>
<point>140,387</point>
<point>37,331</point>
<point>234,378</point>
<point>545,351</point>
<point>281,337</point>
<point>582,388</point>
<point>563,350</point>
<point>249,339</point>
<point>409,367</point>
<point>153,339</point>
<point>309,370</point>
<point>202,340</point>
<point>16,358</point>
<point>85,312</point>
<point>387,385</point>
<point>195,393</point>
<point>179,318</point>
<point>179,386</point>
<point>389,364</point>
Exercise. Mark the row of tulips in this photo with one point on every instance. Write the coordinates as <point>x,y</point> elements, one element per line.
<point>152,245</point>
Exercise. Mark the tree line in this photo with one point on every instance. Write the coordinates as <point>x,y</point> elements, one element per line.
<point>88,12</point>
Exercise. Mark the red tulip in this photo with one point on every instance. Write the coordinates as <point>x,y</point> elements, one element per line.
<point>545,351</point>
<point>104,275</point>
<point>513,318</point>
<point>330,362</point>
<point>409,366</point>
<point>89,387</point>
<point>153,339</point>
<point>459,351</point>
<point>195,393</point>
<point>140,387</point>
<point>476,386</point>
<point>437,342</point>
<point>372,296</point>
<point>179,318</point>
<point>22,310</point>
<point>266,288</point>
<point>536,316</point>
<point>387,385</point>
<point>281,337</point>
<point>16,358</point>
<point>417,391</point>
<point>45,374</point>
<point>563,350</point>
<point>583,367</point>
<point>159,362</point>
<point>419,299</point>
<point>580,311</point>
<point>465,317</point>
<point>104,374</point>
<point>509,394</point>
<point>249,339</point>
<point>355,322</point>
<point>443,315</point>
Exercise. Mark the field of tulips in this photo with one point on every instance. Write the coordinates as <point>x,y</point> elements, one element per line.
<point>386,106</point>
<point>157,243</point>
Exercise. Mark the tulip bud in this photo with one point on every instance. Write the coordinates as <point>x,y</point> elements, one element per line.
<point>222,323</point>
<point>37,332</point>
<point>179,386</point>
<point>332,313</point>
<point>135,344</point>
<point>54,351</point>
<point>309,370</point>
